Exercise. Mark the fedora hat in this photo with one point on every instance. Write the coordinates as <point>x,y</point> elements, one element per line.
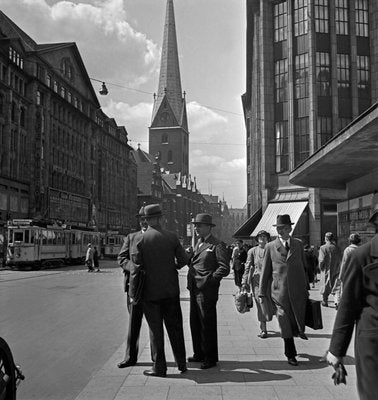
<point>152,210</point>
<point>283,220</point>
<point>203,218</point>
<point>140,213</point>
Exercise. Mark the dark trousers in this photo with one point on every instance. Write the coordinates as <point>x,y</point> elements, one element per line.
<point>203,324</point>
<point>290,350</point>
<point>167,312</point>
<point>238,276</point>
<point>133,331</point>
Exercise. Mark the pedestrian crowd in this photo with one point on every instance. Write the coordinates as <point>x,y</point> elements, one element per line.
<point>279,273</point>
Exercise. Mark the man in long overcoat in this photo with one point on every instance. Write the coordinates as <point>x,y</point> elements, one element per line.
<point>329,264</point>
<point>359,306</point>
<point>135,310</point>
<point>284,266</point>
<point>160,254</point>
<point>209,263</point>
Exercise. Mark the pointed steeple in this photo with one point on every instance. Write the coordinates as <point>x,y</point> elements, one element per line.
<point>169,79</point>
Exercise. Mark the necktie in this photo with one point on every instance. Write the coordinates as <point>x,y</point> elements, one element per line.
<point>287,247</point>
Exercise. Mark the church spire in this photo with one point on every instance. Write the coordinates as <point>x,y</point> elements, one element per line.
<point>169,79</point>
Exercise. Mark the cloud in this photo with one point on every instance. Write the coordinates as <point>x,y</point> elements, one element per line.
<point>106,39</point>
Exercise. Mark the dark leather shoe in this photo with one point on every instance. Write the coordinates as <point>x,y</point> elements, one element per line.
<point>208,364</point>
<point>195,359</point>
<point>151,372</point>
<point>183,369</point>
<point>126,363</point>
<point>303,336</point>
<point>263,334</point>
<point>292,361</point>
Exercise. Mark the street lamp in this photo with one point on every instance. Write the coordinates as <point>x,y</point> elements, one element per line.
<point>104,90</point>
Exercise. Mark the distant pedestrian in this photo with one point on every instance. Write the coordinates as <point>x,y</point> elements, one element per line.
<point>329,265</point>
<point>312,264</point>
<point>89,258</point>
<point>354,241</point>
<point>238,259</point>
<point>284,270</point>
<point>251,279</point>
<point>96,264</point>
<point>358,309</point>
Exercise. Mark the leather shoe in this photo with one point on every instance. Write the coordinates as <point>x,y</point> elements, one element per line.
<point>195,359</point>
<point>263,334</point>
<point>325,303</point>
<point>292,361</point>
<point>303,336</point>
<point>151,372</point>
<point>183,369</point>
<point>208,364</point>
<point>126,363</point>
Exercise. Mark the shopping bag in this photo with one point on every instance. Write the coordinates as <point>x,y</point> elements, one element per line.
<point>241,301</point>
<point>313,314</point>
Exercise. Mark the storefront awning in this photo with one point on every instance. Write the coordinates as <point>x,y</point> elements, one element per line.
<point>294,209</point>
<point>244,231</point>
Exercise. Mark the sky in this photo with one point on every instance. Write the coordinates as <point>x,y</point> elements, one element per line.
<point>120,44</point>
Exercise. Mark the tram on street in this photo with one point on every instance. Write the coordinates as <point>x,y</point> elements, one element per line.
<point>112,244</point>
<point>33,245</point>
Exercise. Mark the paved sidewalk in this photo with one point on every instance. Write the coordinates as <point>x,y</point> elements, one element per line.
<point>249,367</point>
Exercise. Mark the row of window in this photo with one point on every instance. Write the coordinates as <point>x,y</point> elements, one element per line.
<point>16,57</point>
<point>302,17</point>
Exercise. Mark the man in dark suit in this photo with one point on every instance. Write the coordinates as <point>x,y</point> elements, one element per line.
<point>359,307</point>
<point>329,264</point>
<point>209,263</point>
<point>160,254</point>
<point>135,310</point>
<point>284,270</point>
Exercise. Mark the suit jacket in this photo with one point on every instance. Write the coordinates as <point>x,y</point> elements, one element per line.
<point>209,264</point>
<point>359,306</point>
<point>160,253</point>
<point>128,247</point>
<point>286,273</point>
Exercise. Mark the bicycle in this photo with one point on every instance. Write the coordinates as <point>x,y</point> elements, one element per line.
<point>10,373</point>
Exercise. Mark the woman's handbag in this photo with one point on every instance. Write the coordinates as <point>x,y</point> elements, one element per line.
<point>313,314</point>
<point>241,301</point>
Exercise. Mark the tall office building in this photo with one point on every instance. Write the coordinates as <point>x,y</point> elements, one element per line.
<point>311,69</point>
<point>168,133</point>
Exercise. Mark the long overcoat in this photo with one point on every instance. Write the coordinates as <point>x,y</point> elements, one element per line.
<point>329,264</point>
<point>359,306</point>
<point>287,273</point>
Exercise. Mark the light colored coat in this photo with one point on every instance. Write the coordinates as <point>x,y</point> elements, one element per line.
<point>287,273</point>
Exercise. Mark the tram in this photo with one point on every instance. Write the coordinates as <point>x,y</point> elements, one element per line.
<point>30,244</point>
<point>112,244</point>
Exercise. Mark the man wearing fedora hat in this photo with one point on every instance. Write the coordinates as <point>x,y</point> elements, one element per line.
<point>359,308</point>
<point>135,310</point>
<point>284,270</point>
<point>209,263</point>
<point>160,254</point>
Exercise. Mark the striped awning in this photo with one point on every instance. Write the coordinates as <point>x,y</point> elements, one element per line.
<point>269,218</point>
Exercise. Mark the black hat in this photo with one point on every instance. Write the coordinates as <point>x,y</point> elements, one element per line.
<point>262,233</point>
<point>152,210</point>
<point>283,220</point>
<point>203,218</point>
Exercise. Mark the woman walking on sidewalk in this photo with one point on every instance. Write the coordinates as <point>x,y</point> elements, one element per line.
<point>251,279</point>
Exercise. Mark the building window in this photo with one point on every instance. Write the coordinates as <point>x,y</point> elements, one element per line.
<point>280,21</point>
<point>363,76</point>
<point>164,138</point>
<point>342,17</point>
<point>22,116</point>
<point>281,80</point>
<point>170,157</point>
<point>343,74</point>
<point>301,76</point>
<point>302,140</point>
<point>362,18</point>
<point>323,75</point>
<point>323,130</point>
<point>321,16</point>
<point>55,87</point>
<point>300,17</point>
<point>38,98</point>
<point>48,80</point>
<point>13,112</point>
<point>282,146</point>
<point>63,92</point>
<point>2,97</point>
